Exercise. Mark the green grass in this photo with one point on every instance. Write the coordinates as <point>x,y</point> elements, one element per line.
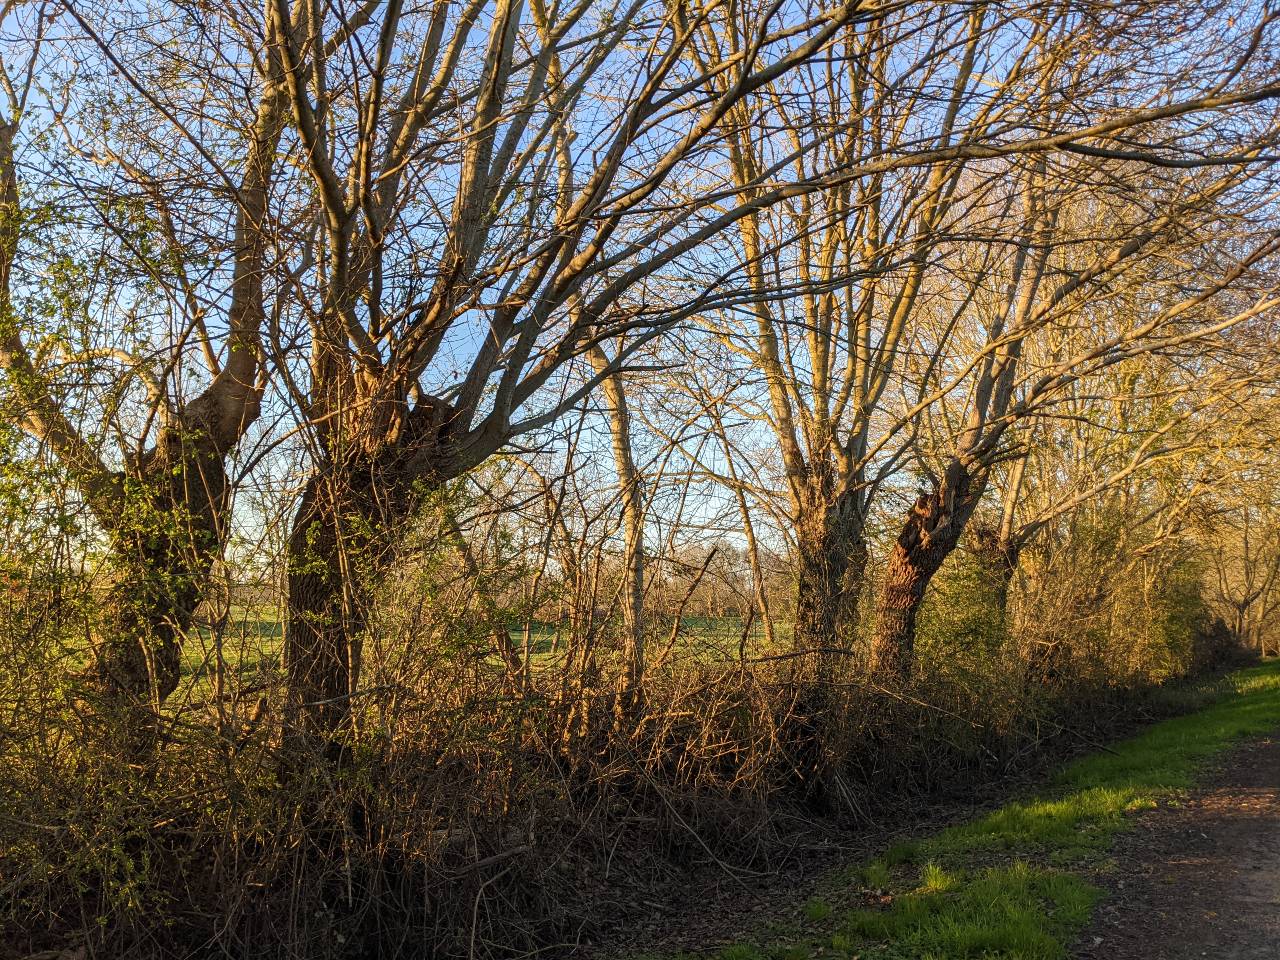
<point>252,641</point>
<point>709,639</point>
<point>1015,884</point>
<point>254,636</point>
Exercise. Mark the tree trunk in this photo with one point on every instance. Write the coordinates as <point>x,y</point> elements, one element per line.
<point>321,623</point>
<point>344,537</point>
<point>165,516</point>
<point>633,610</point>
<point>165,535</point>
<point>630,487</point>
<point>831,561</point>
<point>931,532</point>
<point>340,544</point>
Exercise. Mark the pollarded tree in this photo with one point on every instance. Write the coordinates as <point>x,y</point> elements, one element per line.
<point>1096,280</point>
<point>491,198</point>
<point>915,107</point>
<point>833,274</point>
<point>156,337</point>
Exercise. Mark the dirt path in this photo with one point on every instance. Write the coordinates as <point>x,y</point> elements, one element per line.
<point>1201,879</point>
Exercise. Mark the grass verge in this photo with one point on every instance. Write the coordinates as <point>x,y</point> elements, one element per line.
<point>1015,884</point>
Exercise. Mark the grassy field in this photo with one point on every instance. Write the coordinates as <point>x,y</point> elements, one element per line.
<point>252,642</point>
<point>253,638</point>
<point>1015,884</point>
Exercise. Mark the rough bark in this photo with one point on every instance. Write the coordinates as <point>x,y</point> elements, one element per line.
<point>344,537</point>
<point>322,614</point>
<point>931,531</point>
<point>165,513</point>
<point>166,533</point>
<point>831,561</point>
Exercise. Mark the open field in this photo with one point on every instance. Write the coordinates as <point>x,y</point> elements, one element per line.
<point>252,643</point>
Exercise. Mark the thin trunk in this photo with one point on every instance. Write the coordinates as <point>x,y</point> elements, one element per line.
<point>931,532</point>
<point>630,486</point>
<point>1006,550</point>
<point>761,596</point>
<point>749,533</point>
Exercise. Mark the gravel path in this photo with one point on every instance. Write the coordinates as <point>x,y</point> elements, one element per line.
<point>1200,879</point>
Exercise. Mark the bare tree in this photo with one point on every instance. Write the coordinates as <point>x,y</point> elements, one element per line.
<point>631,490</point>
<point>533,262</point>
<point>161,496</point>
<point>1141,416</point>
<point>1244,551</point>
<point>1082,322</point>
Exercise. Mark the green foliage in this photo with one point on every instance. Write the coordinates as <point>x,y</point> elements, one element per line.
<point>962,621</point>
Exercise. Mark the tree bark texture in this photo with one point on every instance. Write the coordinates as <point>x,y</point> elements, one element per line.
<point>165,535</point>
<point>345,535</point>
<point>165,514</point>
<point>831,562</point>
<point>631,489</point>
<point>931,531</point>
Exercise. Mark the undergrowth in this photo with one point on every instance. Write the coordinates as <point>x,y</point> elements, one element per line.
<point>1015,883</point>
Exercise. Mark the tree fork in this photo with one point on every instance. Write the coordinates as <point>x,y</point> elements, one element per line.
<point>932,530</point>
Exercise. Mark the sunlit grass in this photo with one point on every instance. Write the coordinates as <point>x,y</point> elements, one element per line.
<point>1014,884</point>
<point>1017,910</point>
<point>251,639</point>
<point>252,644</point>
